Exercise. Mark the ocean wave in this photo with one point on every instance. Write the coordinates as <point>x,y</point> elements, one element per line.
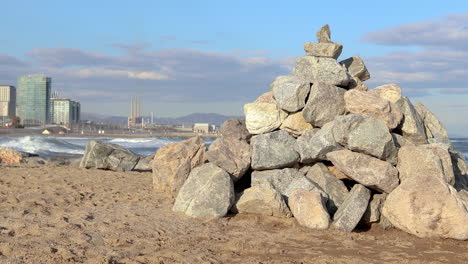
<point>41,145</point>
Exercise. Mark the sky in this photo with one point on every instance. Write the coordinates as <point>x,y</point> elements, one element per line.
<point>183,57</point>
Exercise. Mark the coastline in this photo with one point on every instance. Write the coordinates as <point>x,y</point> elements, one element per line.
<point>181,135</point>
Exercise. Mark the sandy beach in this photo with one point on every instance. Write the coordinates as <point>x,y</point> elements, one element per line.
<point>62,214</point>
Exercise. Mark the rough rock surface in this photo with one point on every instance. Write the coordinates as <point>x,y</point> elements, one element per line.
<point>369,171</point>
<point>424,160</point>
<point>351,211</point>
<point>230,154</point>
<point>359,102</point>
<point>427,206</point>
<point>263,117</point>
<point>273,150</point>
<point>434,128</point>
<point>263,200</point>
<point>290,92</point>
<point>328,50</point>
<point>235,128</point>
<point>107,156</point>
<point>336,190</point>
<point>266,98</point>
<point>172,163</point>
<point>365,134</point>
<point>325,102</point>
<point>356,68</point>
<point>390,92</point>
<point>374,209</point>
<point>357,84</point>
<point>304,183</point>
<point>320,69</point>
<point>308,209</point>
<point>324,34</point>
<point>314,145</point>
<point>207,192</point>
<point>412,125</point>
<point>401,141</point>
<point>279,179</point>
<point>11,156</point>
<point>295,124</point>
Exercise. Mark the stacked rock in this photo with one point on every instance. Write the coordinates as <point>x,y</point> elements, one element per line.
<point>323,148</point>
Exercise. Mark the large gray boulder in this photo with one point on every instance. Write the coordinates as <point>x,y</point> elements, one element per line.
<point>434,128</point>
<point>314,145</point>
<point>325,102</point>
<point>235,128</point>
<point>285,181</point>
<point>356,68</point>
<point>369,171</point>
<point>426,206</point>
<point>423,160</point>
<point>273,150</point>
<point>320,69</point>
<point>290,92</point>
<point>207,192</point>
<point>230,154</point>
<point>263,117</point>
<point>328,50</point>
<point>412,125</point>
<point>365,134</point>
<point>107,156</point>
<point>309,209</point>
<point>359,102</point>
<point>262,200</point>
<point>351,211</point>
<point>332,186</point>
<point>172,163</point>
<point>324,34</point>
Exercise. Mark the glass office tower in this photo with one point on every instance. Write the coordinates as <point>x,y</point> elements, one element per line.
<point>33,99</point>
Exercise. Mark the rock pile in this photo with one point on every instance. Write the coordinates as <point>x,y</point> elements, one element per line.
<point>323,148</point>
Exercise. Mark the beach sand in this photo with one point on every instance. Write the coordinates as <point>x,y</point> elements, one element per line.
<point>61,214</point>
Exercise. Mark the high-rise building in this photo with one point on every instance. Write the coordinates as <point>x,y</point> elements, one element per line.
<point>7,101</point>
<point>33,99</point>
<point>66,111</point>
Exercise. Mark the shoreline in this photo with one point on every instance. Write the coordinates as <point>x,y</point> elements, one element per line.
<point>181,135</point>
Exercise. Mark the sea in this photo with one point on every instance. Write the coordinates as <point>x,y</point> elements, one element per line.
<point>145,146</point>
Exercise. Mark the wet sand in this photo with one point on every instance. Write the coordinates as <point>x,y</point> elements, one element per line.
<point>61,214</point>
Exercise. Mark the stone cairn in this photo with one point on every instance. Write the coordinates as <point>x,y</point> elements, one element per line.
<point>322,148</point>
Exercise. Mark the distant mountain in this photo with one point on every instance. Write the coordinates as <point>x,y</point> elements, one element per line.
<point>212,118</point>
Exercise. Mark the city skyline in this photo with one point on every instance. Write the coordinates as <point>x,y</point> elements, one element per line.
<point>180,62</point>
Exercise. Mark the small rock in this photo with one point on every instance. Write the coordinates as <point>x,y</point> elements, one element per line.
<point>263,117</point>
<point>172,163</point>
<point>273,150</point>
<point>107,156</point>
<point>358,102</point>
<point>295,124</point>
<point>328,50</point>
<point>374,209</point>
<point>304,183</point>
<point>390,92</point>
<point>412,126</point>
<point>356,68</point>
<point>235,128</point>
<point>324,104</point>
<point>357,84</point>
<point>279,179</point>
<point>320,69</point>
<point>314,145</point>
<point>371,172</point>
<point>324,34</point>
<point>309,210</point>
<point>230,154</point>
<point>401,141</point>
<point>263,200</point>
<point>351,211</point>
<point>290,92</point>
<point>11,156</point>
<point>266,98</point>
<point>335,189</point>
<point>207,192</point>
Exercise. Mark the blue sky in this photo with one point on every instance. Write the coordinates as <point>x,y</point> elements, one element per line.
<point>214,56</point>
